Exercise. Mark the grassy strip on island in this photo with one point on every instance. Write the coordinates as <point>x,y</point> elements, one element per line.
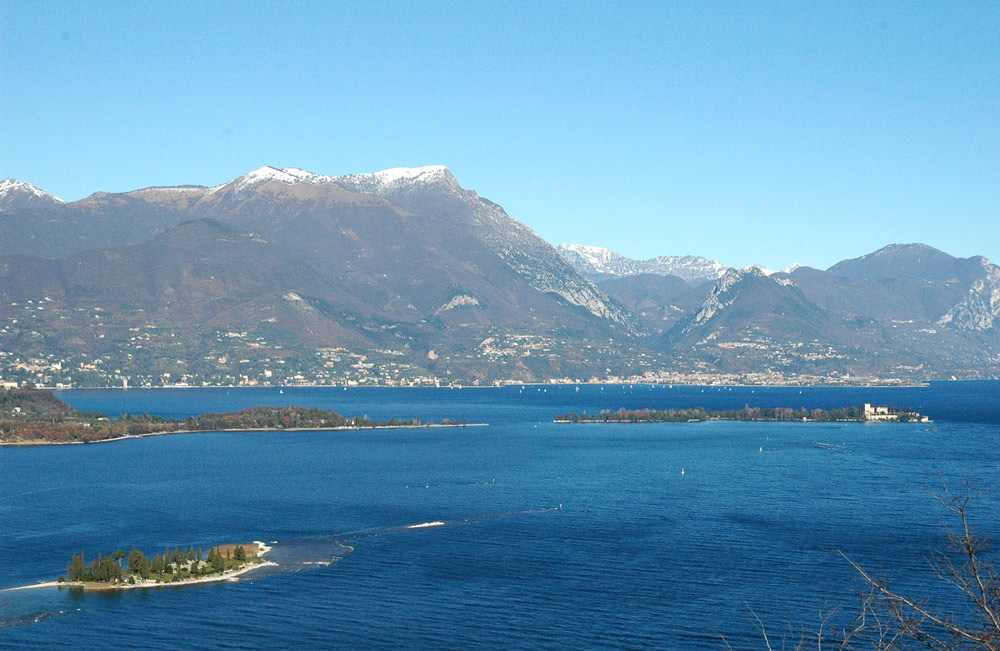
<point>177,567</point>
<point>31,416</point>
<point>858,414</point>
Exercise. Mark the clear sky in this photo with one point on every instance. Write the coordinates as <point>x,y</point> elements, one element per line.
<point>745,132</point>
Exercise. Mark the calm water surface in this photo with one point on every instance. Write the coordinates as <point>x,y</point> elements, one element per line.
<point>665,534</point>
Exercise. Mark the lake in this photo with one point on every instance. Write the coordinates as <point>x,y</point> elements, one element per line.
<point>554,535</point>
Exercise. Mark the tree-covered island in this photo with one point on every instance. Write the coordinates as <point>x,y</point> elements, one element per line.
<point>32,416</point>
<point>177,567</point>
<point>857,414</point>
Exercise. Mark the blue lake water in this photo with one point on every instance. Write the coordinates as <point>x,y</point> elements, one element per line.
<point>640,553</point>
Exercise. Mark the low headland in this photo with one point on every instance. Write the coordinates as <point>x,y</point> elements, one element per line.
<point>858,414</point>
<point>37,417</point>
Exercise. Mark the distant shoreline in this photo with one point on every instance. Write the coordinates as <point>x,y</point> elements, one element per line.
<point>239,429</point>
<point>862,413</point>
<point>885,384</point>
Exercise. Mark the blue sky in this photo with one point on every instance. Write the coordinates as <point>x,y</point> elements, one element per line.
<point>745,132</point>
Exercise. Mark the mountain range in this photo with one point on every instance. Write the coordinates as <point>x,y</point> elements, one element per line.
<point>403,276</point>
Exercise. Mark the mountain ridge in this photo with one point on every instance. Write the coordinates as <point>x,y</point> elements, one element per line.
<point>595,261</point>
<point>403,275</point>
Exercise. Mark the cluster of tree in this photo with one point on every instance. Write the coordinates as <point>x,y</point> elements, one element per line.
<point>105,568</point>
<point>168,566</point>
<point>287,418</point>
<point>748,413</point>
<point>216,561</point>
<point>75,428</point>
<point>787,414</point>
<point>31,401</point>
<point>638,416</point>
<point>65,425</point>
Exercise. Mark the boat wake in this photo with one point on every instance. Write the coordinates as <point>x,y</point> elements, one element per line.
<point>324,550</point>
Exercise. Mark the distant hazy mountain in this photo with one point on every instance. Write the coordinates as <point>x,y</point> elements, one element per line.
<point>822,323</point>
<point>594,261</point>
<point>908,282</point>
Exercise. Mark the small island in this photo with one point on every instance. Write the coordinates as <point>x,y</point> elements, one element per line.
<point>858,414</point>
<point>172,568</point>
<point>36,416</point>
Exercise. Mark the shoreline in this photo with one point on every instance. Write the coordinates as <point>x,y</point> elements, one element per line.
<point>347,428</point>
<point>735,420</point>
<point>886,384</point>
<point>229,576</point>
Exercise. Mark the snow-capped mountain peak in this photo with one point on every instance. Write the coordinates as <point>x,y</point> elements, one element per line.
<point>267,173</point>
<point>598,257</point>
<point>593,260</point>
<point>764,270</point>
<point>259,176</point>
<point>375,183</point>
<point>397,174</point>
<point>16,194</point>
<point>305,176</point>
<point>399,178</point>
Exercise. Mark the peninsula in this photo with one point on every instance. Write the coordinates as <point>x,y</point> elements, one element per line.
<point>858,414</point>
<point>36,416</point>
<point>172,568</point>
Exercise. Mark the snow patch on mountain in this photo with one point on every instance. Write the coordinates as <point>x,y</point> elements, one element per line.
<point>16,194</point>
<point>594,260</point>
<point>399,178</point>
<point>378,183</point>
<point>305,176</point>
<point>246,184</point>
<point>764,270</point>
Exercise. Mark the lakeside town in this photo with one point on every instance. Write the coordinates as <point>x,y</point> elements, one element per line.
<point>385,368</point>
<point>104,349</point>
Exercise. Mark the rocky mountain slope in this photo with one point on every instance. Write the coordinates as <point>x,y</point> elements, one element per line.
<point>900,310</point>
